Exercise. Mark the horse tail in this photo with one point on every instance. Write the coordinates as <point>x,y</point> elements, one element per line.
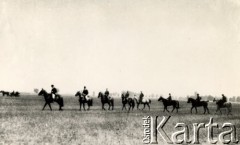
<point>177,105</point>
<point>149,101</point>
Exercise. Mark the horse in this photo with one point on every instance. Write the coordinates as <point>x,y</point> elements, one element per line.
<point>5,93</point>
<point>16,94</point>
<point>144,101</point>
<point>167,103</point>
<point>105,99</point>
<point>48,99</point>
<point>127,100</point>
<point>82,100</point>
<point>220,104</point>
<point>196,104</point>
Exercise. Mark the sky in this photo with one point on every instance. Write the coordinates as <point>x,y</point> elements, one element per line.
<point>158,47</point>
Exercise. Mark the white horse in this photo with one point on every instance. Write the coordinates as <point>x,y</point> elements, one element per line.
<point>142,100</point>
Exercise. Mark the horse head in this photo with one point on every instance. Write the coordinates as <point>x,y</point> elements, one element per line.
<point>42,92</point>
<point>78,93</point>
<point>190,100</point>
<point>160,98</point>
<point>100,94</point>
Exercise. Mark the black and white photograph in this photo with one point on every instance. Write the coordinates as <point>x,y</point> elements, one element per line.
<point>119,72</point>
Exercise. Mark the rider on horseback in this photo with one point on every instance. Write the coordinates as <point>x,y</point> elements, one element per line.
<point>85,92</point>
<point>141,95</point>
<point>223,100</point>
<point>198,98</point>
<point>107,94</point>
<point>127,94</point>
<point>169,97</point>
<point>53,92</point>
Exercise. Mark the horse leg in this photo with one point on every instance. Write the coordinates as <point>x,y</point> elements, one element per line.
<point>50,106</point>
<point>80,106</point>
<point>167,109</point>
<point>123,106</point>
<point>173,108</point>
<point>109,105</point>
<point>204,110</point>
<point>148,106</point>
<point>44,106</point>
<point>84,106</point>
<point>129,108</point>
<point>191,110</point>
<point>103,106</point>
<point>143,106</point>
<point>59,106</point>
<point>88,106</point>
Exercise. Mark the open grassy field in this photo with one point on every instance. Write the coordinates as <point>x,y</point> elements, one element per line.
<point>23,122</point>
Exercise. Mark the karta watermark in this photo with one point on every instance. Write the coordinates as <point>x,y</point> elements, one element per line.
<point>152,129</point>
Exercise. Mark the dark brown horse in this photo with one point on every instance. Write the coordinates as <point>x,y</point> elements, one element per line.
<point>167,103</point>
<point>127,100</point>
<point>220,104</point>
<point>15,94</point>
<point>5,93</point>
<point>196,104</point>
<point>106,100</point>
<point>48,99</point>
<point>82,100</point>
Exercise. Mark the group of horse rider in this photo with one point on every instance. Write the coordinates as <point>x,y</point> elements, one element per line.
<point>220,102</point>
<point>54,92</point>
<point>198,99</point>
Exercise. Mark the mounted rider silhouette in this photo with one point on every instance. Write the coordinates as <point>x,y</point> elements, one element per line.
<point>223,100</point>
<point>169,98</point>
<point>107,94</point>
<point>53,93</point>
<point>127,95</point>
<point>141,95</point>
<point>85,92</point>
<point>198,98</point>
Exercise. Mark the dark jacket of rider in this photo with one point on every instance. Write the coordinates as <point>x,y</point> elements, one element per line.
<point>170,97</point>
<point>54,90</point>
<point>106,93</point>
<point>141,96</point>
<point>198,98</point>
<point>224,99</point>
<point>127,95</point>
<point>85,92</point>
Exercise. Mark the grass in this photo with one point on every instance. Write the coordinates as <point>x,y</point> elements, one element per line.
<point>23,121</point>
